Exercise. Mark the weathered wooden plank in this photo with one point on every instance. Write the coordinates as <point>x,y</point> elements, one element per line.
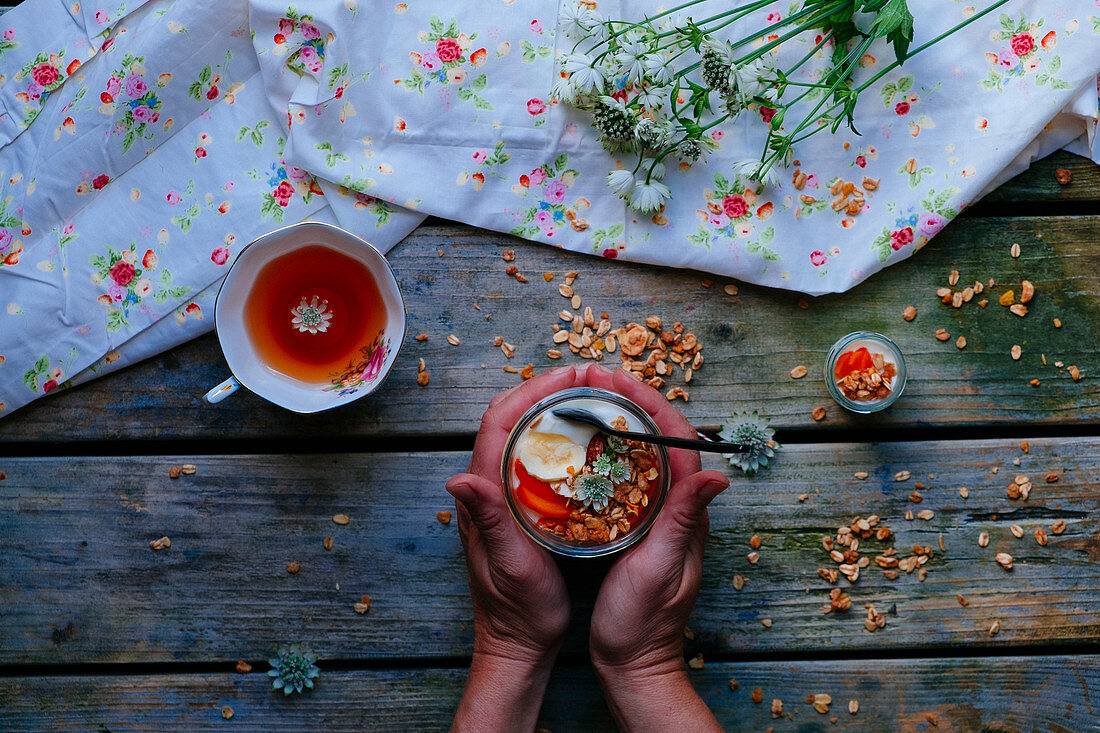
<point>79,582</point>
<point>970,694</point>
<point>751,340</point>
<point>1037,185</point>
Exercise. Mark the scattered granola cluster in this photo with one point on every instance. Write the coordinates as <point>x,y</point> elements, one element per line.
<point>848,196</point>
<point>611,490</point>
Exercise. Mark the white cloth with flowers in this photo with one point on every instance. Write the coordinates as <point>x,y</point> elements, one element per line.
<point>143,143</point>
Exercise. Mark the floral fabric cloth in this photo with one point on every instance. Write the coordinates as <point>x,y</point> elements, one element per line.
<point>144,143</point>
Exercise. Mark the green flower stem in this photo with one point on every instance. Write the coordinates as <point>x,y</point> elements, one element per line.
<point>813,23</point>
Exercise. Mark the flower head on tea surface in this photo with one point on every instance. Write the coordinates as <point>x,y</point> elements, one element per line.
<point>311,316</point>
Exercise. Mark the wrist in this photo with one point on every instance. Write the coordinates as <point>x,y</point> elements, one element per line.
<point>659,697</point>
<point>503,693</point>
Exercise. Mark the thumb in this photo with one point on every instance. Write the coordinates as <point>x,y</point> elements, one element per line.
<point>488,509</point>
<point>686,506</point>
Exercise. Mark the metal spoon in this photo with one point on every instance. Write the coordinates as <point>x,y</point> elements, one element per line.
<point>712,446</point>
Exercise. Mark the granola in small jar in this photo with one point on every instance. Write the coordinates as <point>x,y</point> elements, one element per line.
<point>865,372</point>
<point>578,491</point>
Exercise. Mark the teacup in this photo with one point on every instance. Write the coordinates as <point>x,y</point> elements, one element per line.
<point>309,317</point>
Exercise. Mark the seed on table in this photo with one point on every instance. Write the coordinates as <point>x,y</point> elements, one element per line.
<point>754,542</point>
<point>916,497</point>
<point>943,292</point>
<point>565,290</point>
<point>327,543</point>
<point>243,667</point>
<point>902,476</point>
<point>766,623</point>
<point>798,372</point>
<point>730,289</point>
<point>161,543</point>
<point>860,475</point>
<point>1034,382</point>
<point>293,567</point>
<point>738,582</point>
<point>1063,176</point>
<point>960,342</point>
<point>547,276</point>
<point>1007,298</point>
<point>1004,560</point>
<point>453,340</point>
<point>964,492</point>
<point>363,605</point>
<point>994,628</point>
<point>443,517</point>
<point>421,337</point>
<point>696,662</point>
<point>188,469</point>
<point>1041,536</point>
<point>909,313</point>
<point>818,414</point>
<point>956,299</point>
<point>1027,291</point>
<point>853,706</point>
<point>174,472</point>
<point>1018,309</point>
<point>527,372</point>
<point>1017,531</point>
<point>962,601</point>
<point>341,518</point>
<point>227,712</point>
<point>953,277</point>
<point>983,539</point>
<point>757,696</point>
<point>1057,322</point>
<point>942,334</point>
<point>754,557</point>
<point>1014,250</point>
<point>1074,372</point>
<point>553,353</point>
<point>821,703</point>
<point>575,301</point>
<point>422,378</point>
<point>1058,527</point>
<point>925,514</point>
<point>1016,351</point>
<point>508,255</point>
<point>421,365</point>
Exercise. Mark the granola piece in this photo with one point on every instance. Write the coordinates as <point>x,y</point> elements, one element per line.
<point>909,313</point>
<point>1063,176</point>
<point>508,255</point>
<point>818,414</point>
<point>161,543</point>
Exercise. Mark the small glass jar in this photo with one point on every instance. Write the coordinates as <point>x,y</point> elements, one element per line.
<point>639,421</point>
<point>876,344</point>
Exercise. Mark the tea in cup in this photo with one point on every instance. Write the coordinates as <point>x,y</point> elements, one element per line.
<point>309,317</point>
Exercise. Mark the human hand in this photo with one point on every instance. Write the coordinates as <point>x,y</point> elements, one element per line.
<point>636,640</point>
<point>521,606</point>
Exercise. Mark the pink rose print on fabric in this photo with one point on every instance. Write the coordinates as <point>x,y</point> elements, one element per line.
<point>101,17</point>
<point>5,239</point>
<point>9,34</point>
<point>431,61</point>
<point>220,255</point>
<point>480,156</point>
<point>309,31</point>
<point>611,253</point>
<point>536,26</point>
<point>901,237</point>
<point>135,86</point>
<point>286,26</point>
<point>448,49</point>
<point>544,218</point>
<point>122,273</point>
<point>901,108</point>
<point>555,192</point>
<point>283,193</point>
<point>818,258</point>
<point>114,85</point>
<point>861,161</point>
<point>142,113</point>
<point>1023,44</point>
<point>49,386</point>
<point>536,106</point>
<point>930,224</point>
<point>100,181</point>
<point>45,74</point>
<point>172,198</point>
<point>537,176</point>
<point>735,206</point>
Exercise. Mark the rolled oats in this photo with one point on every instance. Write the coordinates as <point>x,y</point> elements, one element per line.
<point>161,543</point>
<point>798,372</point>
<point>1004,560</point>
<point>909,313</point>
<point>818,414</point>
<point>942,334</point>
<point>983,539</point>
<point>1058,527</point>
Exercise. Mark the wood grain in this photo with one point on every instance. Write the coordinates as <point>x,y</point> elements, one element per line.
<point>957,695</point>
<point>1037,185</point>
<point>79,582</point>
<point>751,342</point>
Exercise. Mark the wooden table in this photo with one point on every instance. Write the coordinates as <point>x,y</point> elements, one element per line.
<point>99,632</point>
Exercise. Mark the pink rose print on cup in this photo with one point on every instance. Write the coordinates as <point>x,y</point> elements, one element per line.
<point>901,237</point>
<point>554,192</point>
<point>448,49</point>
<point>122,273</point>
<point>45,74</point>
<point>931,223</point>
<point>1022,44</point>
<point>818,258</point>
<point>536,106</point>
<point>374,366</point>
<point>735,206</point>
<point>220,255</point>
<point>172,198</point>
<point>135,86</point>
<point>480,156</point>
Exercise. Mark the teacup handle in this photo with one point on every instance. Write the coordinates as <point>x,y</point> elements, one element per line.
<point>222,391</point>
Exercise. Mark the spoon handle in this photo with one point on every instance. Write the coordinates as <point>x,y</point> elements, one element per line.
<point>708,446</point>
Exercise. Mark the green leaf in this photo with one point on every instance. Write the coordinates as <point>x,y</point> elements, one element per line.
<point>516,231</point>
<point>1041,80</point>
<point>128,140</point>
<point>165,278</point>
<point>30,380</point>
<point>43,364</point>
<point>771,255</point>
<point>615,230</point>
<point>194,210</point>
<point>1006,23</point>
<point>895,22</point>
<point>700,237</point>
<point>204,75</point>
<point>722,184</point>
<point>1054,64</point>
<point>559,163</point>
<point>888,93</point>
<point>160,296</point>
<point>179,292</point>
<point>452,29</point>
<point>905,83</point>
<point>1059,84</point>
<point>481,103</point>
<point>767,235</point>
<point>436,24</point>
<point>242,132</point>
<point>464,93</point>
<point>182,222</point>
<point>257,138</point>
<point>478,82</point>
<point>948,213</point>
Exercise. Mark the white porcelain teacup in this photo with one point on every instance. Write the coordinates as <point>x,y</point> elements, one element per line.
<point>346,347</point>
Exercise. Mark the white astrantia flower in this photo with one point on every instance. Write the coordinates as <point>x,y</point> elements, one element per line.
<point>754,78</point>
<point>722,48</point>
<point>599,32</point>
<point>747,170</point>
<point>649,196</point>
<point>575,19</point>
<point>585,76</point>
<point>654,97</point>
<point>621,182</point>
<point>633,50</point>
<point>562,89</point>
<point>656,133</point>
<point>655,169</point>
<point>656,68</point>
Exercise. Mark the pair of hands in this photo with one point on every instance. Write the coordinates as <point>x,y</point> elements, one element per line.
<point>521,605</point>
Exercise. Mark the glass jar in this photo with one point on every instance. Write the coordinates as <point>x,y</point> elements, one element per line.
<point>528,518</point>
<point>875,343</point>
